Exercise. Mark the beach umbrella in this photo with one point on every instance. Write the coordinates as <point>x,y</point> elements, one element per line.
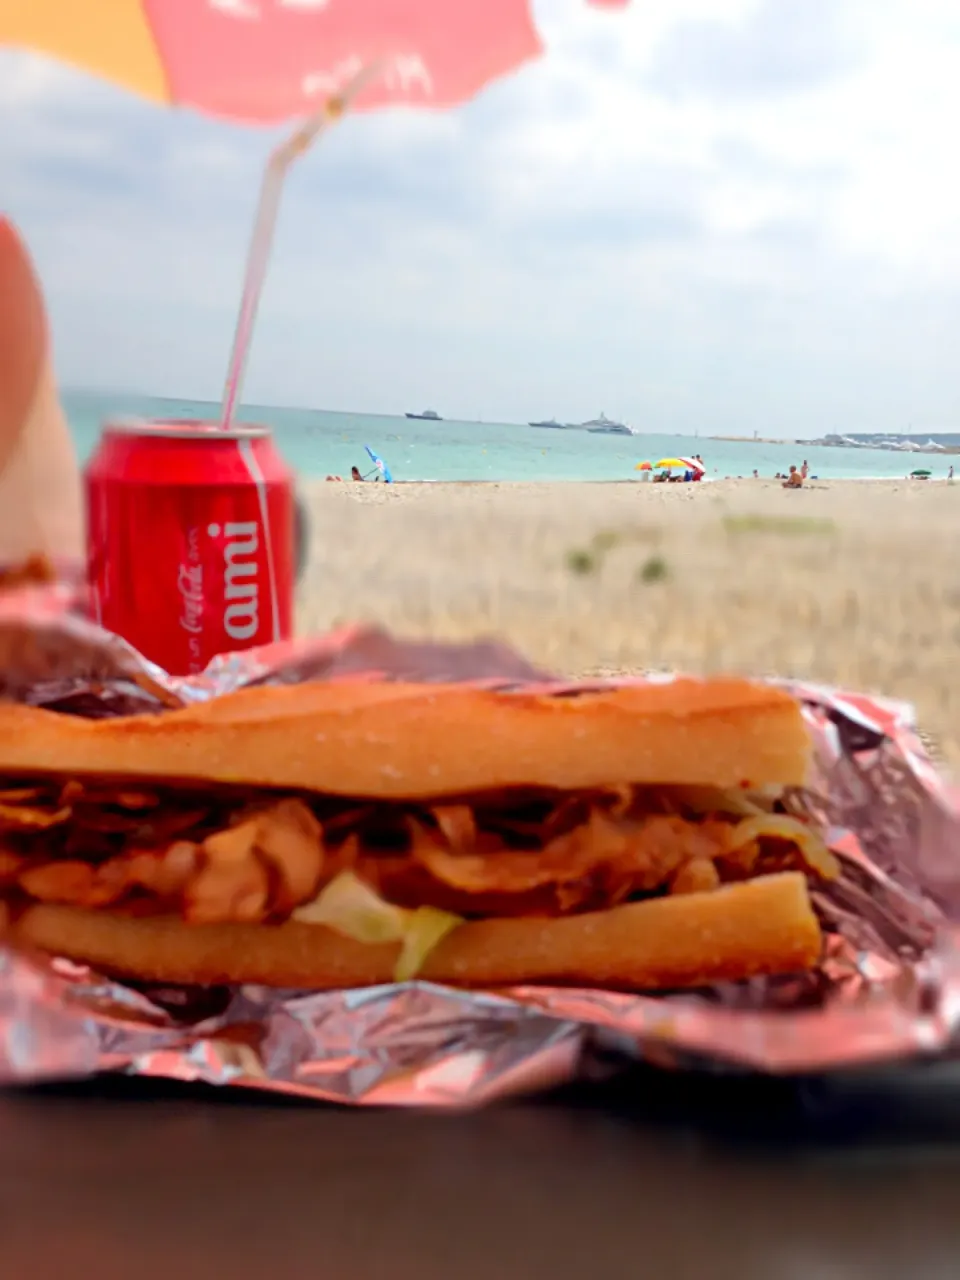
<point>689,464</point>
<point>266,61</point>
<point>643,466</point>
<point>380,465</point>
<point>693,464</point>
<point>921,473</point>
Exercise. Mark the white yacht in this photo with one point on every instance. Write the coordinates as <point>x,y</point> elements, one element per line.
<point>606,426</point>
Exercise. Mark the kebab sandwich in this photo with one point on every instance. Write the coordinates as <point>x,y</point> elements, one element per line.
<point>349,834</point>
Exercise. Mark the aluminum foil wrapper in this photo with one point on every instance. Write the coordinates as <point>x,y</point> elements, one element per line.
<point>887,989</point>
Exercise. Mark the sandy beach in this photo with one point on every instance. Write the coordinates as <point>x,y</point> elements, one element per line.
<point>846,582</point>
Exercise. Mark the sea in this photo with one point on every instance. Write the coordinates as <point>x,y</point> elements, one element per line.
<point>320,442</point>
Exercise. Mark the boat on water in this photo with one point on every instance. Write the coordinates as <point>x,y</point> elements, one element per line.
<point>551,422</point>
<point>606,426</point>
<point>428,415</point>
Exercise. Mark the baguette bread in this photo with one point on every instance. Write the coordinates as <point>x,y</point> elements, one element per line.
<point>401,741</point>
<point>191,846</point>
<point>762,926</point>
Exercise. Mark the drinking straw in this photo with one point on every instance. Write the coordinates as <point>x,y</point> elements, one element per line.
<point>261,242</point>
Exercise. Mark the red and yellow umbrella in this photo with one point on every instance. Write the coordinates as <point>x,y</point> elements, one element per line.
<point>688,464</point>
<point>264,61</point>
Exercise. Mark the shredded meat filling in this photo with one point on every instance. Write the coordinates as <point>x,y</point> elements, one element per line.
<point>222,857</point>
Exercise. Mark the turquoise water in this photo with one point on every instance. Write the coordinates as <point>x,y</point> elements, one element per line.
<point>317,442</point>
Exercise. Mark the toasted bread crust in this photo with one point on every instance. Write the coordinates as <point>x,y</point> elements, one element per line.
<point>761,926</point>
<point>391,741</point>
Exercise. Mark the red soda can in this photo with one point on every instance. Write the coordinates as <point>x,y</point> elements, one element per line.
<point>190,539</point>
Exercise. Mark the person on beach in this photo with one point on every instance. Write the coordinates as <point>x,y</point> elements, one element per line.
<point>40,496</point>
<point>804,470</point>
<point>794,480</point>
<point>355,473</point>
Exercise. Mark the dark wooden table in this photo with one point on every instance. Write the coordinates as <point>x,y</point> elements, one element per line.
<point>654,1176</point>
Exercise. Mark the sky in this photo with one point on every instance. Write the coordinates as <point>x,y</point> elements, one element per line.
<point>722,216</point>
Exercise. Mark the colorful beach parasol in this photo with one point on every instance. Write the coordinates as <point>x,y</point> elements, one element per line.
<point>265,61</point>
<point>643,466</point>
<point>380,465</point>
<point>693,464</point>
<point>688,464</point>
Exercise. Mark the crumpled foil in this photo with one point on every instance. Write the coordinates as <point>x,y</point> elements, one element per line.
<point>888,987</point>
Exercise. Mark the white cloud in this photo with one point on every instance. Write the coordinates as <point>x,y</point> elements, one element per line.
<point>728,248</point>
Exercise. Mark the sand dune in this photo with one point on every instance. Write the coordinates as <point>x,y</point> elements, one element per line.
<point>851,583</point>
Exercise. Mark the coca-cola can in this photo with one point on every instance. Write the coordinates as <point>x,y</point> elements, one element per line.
<point>190,539</point>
